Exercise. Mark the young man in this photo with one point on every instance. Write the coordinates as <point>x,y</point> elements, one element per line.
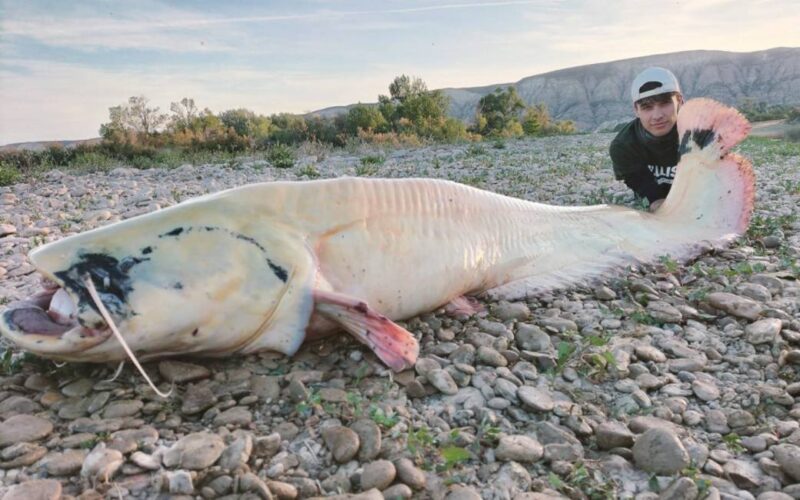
<point>645,151</point>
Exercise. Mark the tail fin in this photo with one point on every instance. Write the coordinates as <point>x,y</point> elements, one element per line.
<point>713,188</point>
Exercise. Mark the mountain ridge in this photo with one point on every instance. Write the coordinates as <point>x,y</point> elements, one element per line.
<point>596,96</point>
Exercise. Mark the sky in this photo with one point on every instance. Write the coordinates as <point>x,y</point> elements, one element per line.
<point>64,63</point>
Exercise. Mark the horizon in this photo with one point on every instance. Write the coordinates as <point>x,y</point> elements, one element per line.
<point>63,65</point>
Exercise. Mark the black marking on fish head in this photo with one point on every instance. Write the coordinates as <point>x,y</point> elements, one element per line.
<point>280,272</point>
<point>111,278</point>
<point>175,232</point>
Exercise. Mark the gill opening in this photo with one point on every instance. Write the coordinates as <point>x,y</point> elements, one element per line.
<point>87,280</point>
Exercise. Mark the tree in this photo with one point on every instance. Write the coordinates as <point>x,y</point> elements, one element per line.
<point>246,123</point>
<point>403,87</point>
<point>183,114</point>
<point>536,120</point>
<point>498,110</point>
<point>134,120</point>
<point>367,118</point>
<point>411,107</point>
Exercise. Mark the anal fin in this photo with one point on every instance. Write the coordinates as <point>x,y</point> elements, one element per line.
<point>464,306</point>
<point>393,344</point>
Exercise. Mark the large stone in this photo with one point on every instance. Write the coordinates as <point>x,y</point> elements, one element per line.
<point>519,449</point>
<point>101,464</point>
<point>535,398</point>
<point>735,305</point>
<point>17,405</point>
<point>236,416</point>
<point>745,475</point>
<point>443,381</point>
<point>788,456</point>
<point>237,454</point>
<point>342,441</point>
<point>664,312</point>
<point>24,428</point>
<point>180,372</point>
<point>532,338</point>
<point>506,311</point>
<point>37,489</point>
<point>763,331</point>
<point>613,434</point>
<point>65,463</point>
<point>410,474</point>
<point>378,474</point>
<point>660,451</point>
<point>369,434</point>
<point>196,451</point>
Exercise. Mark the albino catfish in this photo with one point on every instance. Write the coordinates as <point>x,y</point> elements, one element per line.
<point>266,266</point>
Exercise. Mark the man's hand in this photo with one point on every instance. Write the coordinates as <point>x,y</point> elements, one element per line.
<point>654,206</point>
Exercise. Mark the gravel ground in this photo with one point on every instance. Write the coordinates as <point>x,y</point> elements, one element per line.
<point>663,381</point>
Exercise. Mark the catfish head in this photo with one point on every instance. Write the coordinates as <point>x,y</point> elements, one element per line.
<point>210,276</point>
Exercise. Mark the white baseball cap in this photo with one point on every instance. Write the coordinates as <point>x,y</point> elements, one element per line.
<point>653,81</point>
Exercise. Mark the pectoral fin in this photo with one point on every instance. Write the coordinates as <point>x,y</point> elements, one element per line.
<point>393,344</point>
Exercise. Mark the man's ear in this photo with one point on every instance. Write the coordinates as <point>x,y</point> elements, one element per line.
<point>680,99</point>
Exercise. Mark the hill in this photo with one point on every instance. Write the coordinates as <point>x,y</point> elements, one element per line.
<point>596,95</point>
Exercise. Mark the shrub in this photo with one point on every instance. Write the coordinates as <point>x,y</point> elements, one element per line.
<point>8,174</point>
<point>362,117</point>
<point>281,156</point>
<point>93,161</point>
<point>499,111</point>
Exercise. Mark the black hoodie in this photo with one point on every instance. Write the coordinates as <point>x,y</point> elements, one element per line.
<point>645,163</point>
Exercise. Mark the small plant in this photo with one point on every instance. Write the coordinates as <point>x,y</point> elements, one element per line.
<point>564,352</point>
<point>100,437</point>
<point>476,150</point>
<point>693,473</point>
<point>313,402</point>
<point>9,175</point>
<point>595,365</point>
<point>761,226</point>
<point>366,169</point>
<point>670,264</point>
<point>584,482</point>
<point>281,156</point>
<point>453,455</point>
<point>643,318</point>
<point>387,421</point>
<point>372,160</point>
<point>9,365</point>
<point>420,443</point>
<point>698,294</point>
<point>309,171</point>
<point>734,442</point>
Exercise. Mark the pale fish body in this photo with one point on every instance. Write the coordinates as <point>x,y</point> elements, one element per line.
<point>261,266</point>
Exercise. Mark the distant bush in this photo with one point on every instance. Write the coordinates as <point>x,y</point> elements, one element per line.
<point>757,111</point>
<point>367,118</point>
<point>793,134</point>
<point>281,156</point>
<point>94,161</point>
<point>9,174</point>
<point>498,113</point>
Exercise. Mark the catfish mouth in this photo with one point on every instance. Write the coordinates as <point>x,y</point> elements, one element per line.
<point>39,322</point>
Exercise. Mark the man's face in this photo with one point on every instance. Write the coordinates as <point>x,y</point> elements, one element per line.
<point>658,115</point>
